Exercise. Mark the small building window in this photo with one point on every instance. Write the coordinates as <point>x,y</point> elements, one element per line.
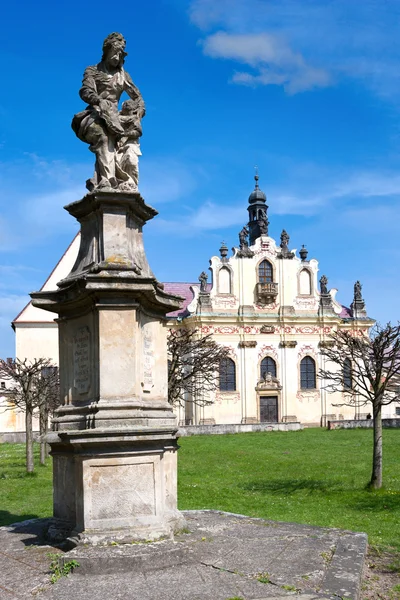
<point>268,365</point>
<point>227,375</point>
<point>307,374</point>
<point>265,272</point>
<point>3,385</point>
<point>347,375</point>
<point>397,411</point>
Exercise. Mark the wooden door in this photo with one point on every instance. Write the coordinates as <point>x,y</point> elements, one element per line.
<point>269,409</point>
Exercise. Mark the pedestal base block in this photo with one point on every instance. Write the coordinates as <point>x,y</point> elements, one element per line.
<point>115,486</point>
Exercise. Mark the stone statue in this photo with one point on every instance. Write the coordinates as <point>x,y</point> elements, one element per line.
<point>203,281</point>
<point>263,224</point>
<point>357,291</point>
<point>324,282</point>
<point>268,377</point>
<point>284,239</point>
<point>268,381</point>
<point>243,235</point>
<point>113,136</point>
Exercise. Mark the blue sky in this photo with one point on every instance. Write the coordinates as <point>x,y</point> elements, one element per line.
<point>309,91</point>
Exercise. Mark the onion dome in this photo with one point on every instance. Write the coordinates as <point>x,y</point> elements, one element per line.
<point>257,194</point>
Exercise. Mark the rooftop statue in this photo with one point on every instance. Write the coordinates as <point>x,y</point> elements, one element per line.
<point>113,135</point>
<point>357,291</point>
<point>324,283</point>
<point>203,281</point>
<point>243,235</point>
<point>284,239</point>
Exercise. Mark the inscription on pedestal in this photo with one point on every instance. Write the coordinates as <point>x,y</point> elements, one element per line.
<point>81,350</point>
<point>148,361</point>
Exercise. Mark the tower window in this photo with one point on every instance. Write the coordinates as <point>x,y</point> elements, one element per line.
<point>307,374</point>
<point>268,365</point>
<point>265,272</point>
<point>227,375</point>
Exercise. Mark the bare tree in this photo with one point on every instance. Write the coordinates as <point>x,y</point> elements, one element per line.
<point>193,363</point>
<point>367,370</point>
<point>29,390</point>
<point>49,402</point>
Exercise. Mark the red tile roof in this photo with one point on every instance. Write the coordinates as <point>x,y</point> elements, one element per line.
<point>180,289</point>
<point>346,313</point>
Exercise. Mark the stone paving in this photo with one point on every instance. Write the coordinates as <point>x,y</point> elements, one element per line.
<point>221,556</point>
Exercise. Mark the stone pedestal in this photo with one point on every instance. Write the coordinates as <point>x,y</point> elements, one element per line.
<point>358,309</point>
<point>114,440</point>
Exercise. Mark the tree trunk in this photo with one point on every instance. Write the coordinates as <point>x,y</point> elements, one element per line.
<point>29,441</point>
<point>376,478</point>
<point>43,420</point>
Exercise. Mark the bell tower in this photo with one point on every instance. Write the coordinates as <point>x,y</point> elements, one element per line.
<point>258,219</point>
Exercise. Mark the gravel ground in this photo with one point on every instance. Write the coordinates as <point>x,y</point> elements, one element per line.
<point>381,576</point>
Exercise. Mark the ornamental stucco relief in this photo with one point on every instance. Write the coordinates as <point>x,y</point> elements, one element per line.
<point>268,350</point>
<point>233,397</point>
<point>305,303</point>
<point>265,249</point>
<point>267,307</point>
<point>220,301</point>
<point>278,330</point>
<point>307,350</point>
<point>305,396</point>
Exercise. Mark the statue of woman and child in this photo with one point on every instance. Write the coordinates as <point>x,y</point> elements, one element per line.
<point>113,134</point>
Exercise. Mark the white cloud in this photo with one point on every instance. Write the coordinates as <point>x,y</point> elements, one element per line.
<point>216,216</point>
<point>332,200</point>
<point>336,40</point>
<point>272,58</point>
<point>251,49</point>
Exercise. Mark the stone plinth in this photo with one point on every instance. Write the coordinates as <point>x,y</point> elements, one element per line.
<point>114,441</point>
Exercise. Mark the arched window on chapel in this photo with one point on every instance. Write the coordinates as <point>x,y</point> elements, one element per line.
<point>308,379</point>
<point>265,272</point>
<point>347,374</point>
<point>227,375</point>
<point>268,365</point>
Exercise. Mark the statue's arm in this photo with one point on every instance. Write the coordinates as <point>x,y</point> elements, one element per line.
<point>88,91</point>
<point>130,88</point>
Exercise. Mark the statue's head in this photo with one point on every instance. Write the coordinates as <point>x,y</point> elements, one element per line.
<point>133,107</point>
<point>114,50</point>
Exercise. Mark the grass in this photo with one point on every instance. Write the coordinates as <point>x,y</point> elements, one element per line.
<point>312,476</point>
<point>22,495</point>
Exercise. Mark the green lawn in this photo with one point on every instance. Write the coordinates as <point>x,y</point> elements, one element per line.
<point>23,496</point>
<point>312,476</point>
